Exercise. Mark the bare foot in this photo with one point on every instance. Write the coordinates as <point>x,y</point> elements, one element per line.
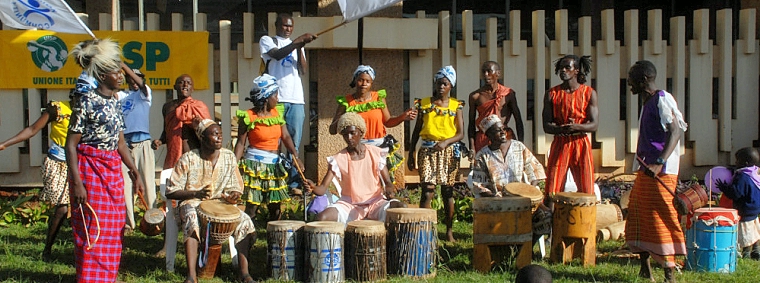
<point>450,236</point>
<point>670,275</point>
<point>646,267</point>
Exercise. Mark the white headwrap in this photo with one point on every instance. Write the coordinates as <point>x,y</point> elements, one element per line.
<point>202,126</point>
<point>363,69</point>
<point>489,122</point>
<point>447,72</point>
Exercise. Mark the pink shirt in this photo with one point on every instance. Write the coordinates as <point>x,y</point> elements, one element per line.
<point>359,179</point>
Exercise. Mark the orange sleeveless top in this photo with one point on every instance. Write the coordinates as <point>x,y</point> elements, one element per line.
<point>371,111</point>
<point>263,133</point>
<point>570,105</point>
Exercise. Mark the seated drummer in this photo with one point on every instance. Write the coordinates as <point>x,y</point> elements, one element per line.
<point>208,172</point>
<point>367,190</point>
<point>502,162</point>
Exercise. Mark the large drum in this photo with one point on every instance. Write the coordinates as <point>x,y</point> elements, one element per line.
<point>500,222</point>
<point>365,251</point>
<point>218,220</point>
<point>412,241</point>
<point>324,241</point>
<point>711,240</point>
<point>574,228</point>
<point>518,189</point>
<point>285,248</point>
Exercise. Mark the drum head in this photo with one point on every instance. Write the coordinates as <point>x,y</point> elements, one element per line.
<point>284,225</point>
<point>154,216</point>
<point>502,204</point>
<point>325,226</point>
<point>366,227</point>
<point>219,210</point>
<point>524,190</point>
<point>411,215</point>
<point>575,198</point>
<point>715,174</point>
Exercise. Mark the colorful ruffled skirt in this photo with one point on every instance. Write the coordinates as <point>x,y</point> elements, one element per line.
<point>264,177</point>
<point>394,158</point>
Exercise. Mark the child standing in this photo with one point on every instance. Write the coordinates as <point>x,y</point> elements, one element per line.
<point>744,191</point>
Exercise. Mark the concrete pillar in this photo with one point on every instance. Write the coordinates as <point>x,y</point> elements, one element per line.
<point>95,7</point>
<point>334,69</point>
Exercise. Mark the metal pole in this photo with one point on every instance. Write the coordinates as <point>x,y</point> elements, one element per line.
<point>141,17</point>
<point>506,19</point>
<point>195,13</point>
<point>453,24</point>
<point>360,40</point>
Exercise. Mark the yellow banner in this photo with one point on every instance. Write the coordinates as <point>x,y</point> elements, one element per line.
<point>40,59</point>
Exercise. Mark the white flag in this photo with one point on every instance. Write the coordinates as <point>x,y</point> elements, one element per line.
<point>53,15</point>
<point>355,9</point>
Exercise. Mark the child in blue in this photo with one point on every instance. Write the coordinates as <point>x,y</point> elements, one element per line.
<point>744,191</point>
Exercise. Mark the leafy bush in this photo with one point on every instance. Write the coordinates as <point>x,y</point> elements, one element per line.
<point>22,210</point>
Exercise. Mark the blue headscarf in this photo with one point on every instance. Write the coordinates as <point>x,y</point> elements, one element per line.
<point>362,69</point>
<point>447,72</point>
<point>264,86</point>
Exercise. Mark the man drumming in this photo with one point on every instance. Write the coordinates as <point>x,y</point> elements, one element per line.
<point>502,162</point>
<point>208,172</point>
<point>359,169</point>
<point>570,112</point>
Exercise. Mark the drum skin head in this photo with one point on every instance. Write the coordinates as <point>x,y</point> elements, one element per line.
<point>219,209</point>
<point>575,198</point>
<point>366,227</point>
<point>524,190</point>
<point>154,215</point>
<point>325,226</point>
<point>283,225</point>
<point>501,204</point>
<point>411,215</point>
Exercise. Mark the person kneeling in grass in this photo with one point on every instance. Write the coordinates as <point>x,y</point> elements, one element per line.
<point>367,190</point>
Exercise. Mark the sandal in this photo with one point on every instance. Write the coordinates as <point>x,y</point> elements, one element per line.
<point>247,278</point>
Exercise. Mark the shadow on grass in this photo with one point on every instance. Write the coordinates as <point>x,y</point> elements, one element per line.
<point>24,275</point>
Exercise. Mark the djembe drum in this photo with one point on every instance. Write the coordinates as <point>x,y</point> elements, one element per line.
<point>285,249</point>
<point>497,224</point>
<point>324,241</point>
<point>153,221</point>
<point>518,189</point>
<point>574,228</point>
<point>365,251</point>
<point>412,240</point>
<point>218,220</point>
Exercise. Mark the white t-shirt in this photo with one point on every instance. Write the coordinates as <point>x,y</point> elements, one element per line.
<point>285,70</point>
<point>136,109</point>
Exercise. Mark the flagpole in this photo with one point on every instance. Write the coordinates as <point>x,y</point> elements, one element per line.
<point>331,28</point>
<point>79,20</point>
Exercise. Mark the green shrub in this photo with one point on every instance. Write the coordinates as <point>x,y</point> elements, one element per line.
<point>22,211</point>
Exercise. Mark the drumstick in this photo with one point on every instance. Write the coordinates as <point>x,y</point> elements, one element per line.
<point>84,223</point>
<point>303,179</point>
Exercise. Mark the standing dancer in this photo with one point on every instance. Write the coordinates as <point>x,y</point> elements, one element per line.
<point>570,112</point>
<point>55,182</point>
<point>652,228</point>
<point>264,176</point>
<point>95,149</point>
<point>441,127</point>
<point>492,98</point>
<point>371,106</point>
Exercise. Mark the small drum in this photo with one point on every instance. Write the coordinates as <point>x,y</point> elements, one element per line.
<point>499,222</point>
<point>412,241</point>
<point>711,240</point>
<point>285,248</point>
<point>219,219</point>
<point>606,214</point>
<point>574,227</point>
<point>365,251</point>
<point>526,190</point>
<point>324,241</point>
<point>693,197</point>
<point>153,222</point>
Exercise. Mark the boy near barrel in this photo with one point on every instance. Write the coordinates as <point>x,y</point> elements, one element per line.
<point>744,191</point>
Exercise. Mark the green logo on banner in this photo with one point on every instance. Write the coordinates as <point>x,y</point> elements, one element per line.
<point>49,52</point>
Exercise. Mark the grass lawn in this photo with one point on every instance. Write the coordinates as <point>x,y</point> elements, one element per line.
<point>20,249</point>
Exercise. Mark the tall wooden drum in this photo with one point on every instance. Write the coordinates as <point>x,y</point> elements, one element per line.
<point>324,241</point>
<point>285,249</point>
<point>499,222</point>
<point>365,251</point>
<point>412,241</point>
<point>218,220</point>
<point>574,228</point>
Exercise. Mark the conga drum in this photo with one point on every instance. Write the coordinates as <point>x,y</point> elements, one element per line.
<point>574,228</point>
<point>497,223</point>
<point>324,241</point>
<point>285,249</point>
<point>711,240</point>
<point>152,222</point>
<point>518,189</point>
<point>365,251</point>
<point>218,220</point>
<point>412,241</point>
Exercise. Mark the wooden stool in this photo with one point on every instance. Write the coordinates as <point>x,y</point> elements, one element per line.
<point>498,223</point>
<point>574,228</point>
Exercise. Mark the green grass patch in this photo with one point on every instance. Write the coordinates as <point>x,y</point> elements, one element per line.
<point>21,247</point>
